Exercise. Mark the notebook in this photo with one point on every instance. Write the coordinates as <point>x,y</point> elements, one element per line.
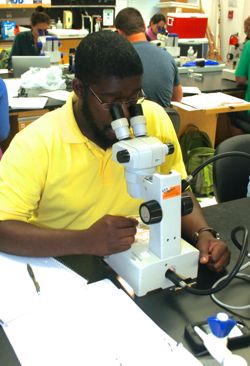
<point>74,323</point>
<point>21,64</point>
<point>18,292</point>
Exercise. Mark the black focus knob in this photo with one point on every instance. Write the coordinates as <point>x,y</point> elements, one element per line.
<point>186,204</point>
<point>123,156</point>
<point>150,212</point>
<point>170,148</point>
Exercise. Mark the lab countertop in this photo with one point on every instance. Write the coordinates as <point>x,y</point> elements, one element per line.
<point>68,33</point>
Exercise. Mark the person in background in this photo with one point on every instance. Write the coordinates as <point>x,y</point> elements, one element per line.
<point>25,43</point>
<point>157,24</point>
<point>240,121</point>
<point>247,28</point>
<point>161,81</point>
<point>4,113</point>
<point>77,202</point>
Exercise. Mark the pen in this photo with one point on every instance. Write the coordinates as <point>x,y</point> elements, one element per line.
<point>32,276</point>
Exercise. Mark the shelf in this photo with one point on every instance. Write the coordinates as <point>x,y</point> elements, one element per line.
<point>33,6</point>
<point>24,6</point>
<point>176,4</point>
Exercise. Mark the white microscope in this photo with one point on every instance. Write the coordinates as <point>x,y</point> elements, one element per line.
<point>49,46</point>
<point>143,266</point>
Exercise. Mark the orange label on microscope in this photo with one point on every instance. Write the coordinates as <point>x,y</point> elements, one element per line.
<point>171,192</point>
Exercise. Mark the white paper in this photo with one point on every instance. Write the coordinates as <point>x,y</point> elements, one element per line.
<point>18,292</point>
<point>71,323</point>
<point>191,90</point>
<point>183,106</point>
<point>211,100</point>
<point>28,103</point>
<point>57,94</point>
<point>4,71</point>
<point>98,325</point>
<point>12,86</point>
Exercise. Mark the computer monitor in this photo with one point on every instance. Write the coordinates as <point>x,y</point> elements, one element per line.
<point>22,64</point>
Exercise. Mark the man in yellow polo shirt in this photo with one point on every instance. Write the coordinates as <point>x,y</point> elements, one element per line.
<point>60,191</point>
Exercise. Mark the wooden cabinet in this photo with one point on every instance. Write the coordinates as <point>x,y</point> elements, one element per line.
<point>66,44</point>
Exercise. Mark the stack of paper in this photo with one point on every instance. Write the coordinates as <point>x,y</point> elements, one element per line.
<point>211,100</point>
<point>28,103</point>
<point>71,323</point>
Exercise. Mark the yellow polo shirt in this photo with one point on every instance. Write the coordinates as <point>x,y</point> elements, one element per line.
<point>53,176</point>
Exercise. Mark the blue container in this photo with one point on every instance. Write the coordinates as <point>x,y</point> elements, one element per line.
<point>8,29</point>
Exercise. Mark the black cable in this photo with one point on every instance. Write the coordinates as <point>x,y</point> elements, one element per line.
<point>173,277</point>
<point>235,241</point>
<point>186,182</point>
<point>243,248</point>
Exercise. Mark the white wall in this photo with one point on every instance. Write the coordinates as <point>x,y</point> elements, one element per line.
<point>120,4</point>
<point>241,11</point>
<point>147,8</point>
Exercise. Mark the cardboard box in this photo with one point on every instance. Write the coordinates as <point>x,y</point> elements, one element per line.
<point>187,25</point>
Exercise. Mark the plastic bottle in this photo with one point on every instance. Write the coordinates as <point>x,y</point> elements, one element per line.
<point>53,24</point>
<point>59,24</point>
<point>190,53</point>
<point>97,27</point>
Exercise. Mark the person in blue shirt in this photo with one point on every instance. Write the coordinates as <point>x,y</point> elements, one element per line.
<point>4,113</point>
<point>161,80</point>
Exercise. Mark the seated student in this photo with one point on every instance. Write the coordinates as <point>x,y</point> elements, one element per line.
<point>161,81</point>
<point>60,191</point>
<point>4,113</point>
<point>240,121</point>
<point>25,43</point>
<point>157,24</point>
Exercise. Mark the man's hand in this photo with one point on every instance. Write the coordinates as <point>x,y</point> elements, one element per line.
<point>111,234</point>
<point>214,253</point>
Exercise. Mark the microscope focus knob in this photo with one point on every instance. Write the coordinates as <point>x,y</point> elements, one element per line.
<point>150,212</point>
<point>170,149</point>
<point>186,204</point>
<point>123,156</point>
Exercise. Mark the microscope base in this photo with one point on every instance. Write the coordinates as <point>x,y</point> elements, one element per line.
<point>145,272</point>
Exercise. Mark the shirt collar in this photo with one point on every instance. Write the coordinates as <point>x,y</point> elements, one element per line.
<point>138,37</point>
<point>69,127</point>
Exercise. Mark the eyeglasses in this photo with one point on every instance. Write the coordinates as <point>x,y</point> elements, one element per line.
<point>107,105</point>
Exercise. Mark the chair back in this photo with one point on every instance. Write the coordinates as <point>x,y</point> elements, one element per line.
<point>175,118</point>
<point>231,174</point>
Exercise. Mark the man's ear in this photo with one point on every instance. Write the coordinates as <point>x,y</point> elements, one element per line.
<point>78,87</point>
<point>119,31</point>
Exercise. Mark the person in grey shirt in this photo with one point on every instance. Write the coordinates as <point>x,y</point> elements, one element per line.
<point>161,81</point>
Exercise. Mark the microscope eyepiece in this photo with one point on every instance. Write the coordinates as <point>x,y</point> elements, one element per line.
<point>135,110</point>
<point>120,123</point>
<point>116,111</point>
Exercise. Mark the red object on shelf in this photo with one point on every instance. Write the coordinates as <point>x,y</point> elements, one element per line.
<point>187,25</point>
<point>16,30</point>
